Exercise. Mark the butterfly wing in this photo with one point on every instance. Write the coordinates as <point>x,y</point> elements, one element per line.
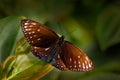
<point>41,40</point>
<point>42,53</point>
<point>74,58</point>
<point>37,34</point>
<point>57,61</point>
<point>45,54</point>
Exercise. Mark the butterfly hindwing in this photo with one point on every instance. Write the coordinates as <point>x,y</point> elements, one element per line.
<point>45,54</point>
<point>37,34</point>
<point>57,61</point>
<point>42,53</point>
<point>74,58</point>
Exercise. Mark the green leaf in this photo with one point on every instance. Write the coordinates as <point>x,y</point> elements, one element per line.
<point>102,76</point>
<point>77,32</point>
<point>22,47</point>
<point>6,67</point>
<point>9,28</point>
<point>27,66</point>
<point>108,27</point>
<point>22,65</point>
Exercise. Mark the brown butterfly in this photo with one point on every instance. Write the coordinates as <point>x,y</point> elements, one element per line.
<point>48,46</point>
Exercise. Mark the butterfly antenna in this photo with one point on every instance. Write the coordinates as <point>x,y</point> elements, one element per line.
<point>60,29</point>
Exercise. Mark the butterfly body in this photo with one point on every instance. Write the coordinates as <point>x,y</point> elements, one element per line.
<point>48,46</point>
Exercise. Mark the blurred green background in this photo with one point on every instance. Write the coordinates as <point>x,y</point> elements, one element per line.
<point>92,25</point>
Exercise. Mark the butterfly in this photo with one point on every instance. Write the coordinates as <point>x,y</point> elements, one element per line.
<point>48,46</point>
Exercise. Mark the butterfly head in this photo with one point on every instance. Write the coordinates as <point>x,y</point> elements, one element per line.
<point>60,40</point>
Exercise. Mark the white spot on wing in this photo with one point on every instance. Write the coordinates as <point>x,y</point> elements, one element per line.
<point>83,65</point>
<point>38,39</point>
<point>32,41</point>
<point>29,33</point>
<point>31,26</point>
<point>25,26</point>
<point>74,62</point>
<point>33,31</point>
<point>75,66</point>
<point>30,37</point>
<point>26,23</point>
<point>33,23</point>
<point>86,58</point>
<point>78,56</point>
<point>58,56</point>
<point>27,29</point>
<point>47,49</point>
<point>35,47</point>
<point>34,35</point>
<point>86,66</point>
<point>79,65</point>
<point>85,62</point>
<point>70,66</point>
<point>70,59</point>
<point>90,65</point>
<point>38,30</point>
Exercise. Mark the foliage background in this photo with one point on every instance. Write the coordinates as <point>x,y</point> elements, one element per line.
<point>92,25</point>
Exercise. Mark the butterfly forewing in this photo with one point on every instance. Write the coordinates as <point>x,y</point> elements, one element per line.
<point>74,58</point>
<point>37,34</point>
